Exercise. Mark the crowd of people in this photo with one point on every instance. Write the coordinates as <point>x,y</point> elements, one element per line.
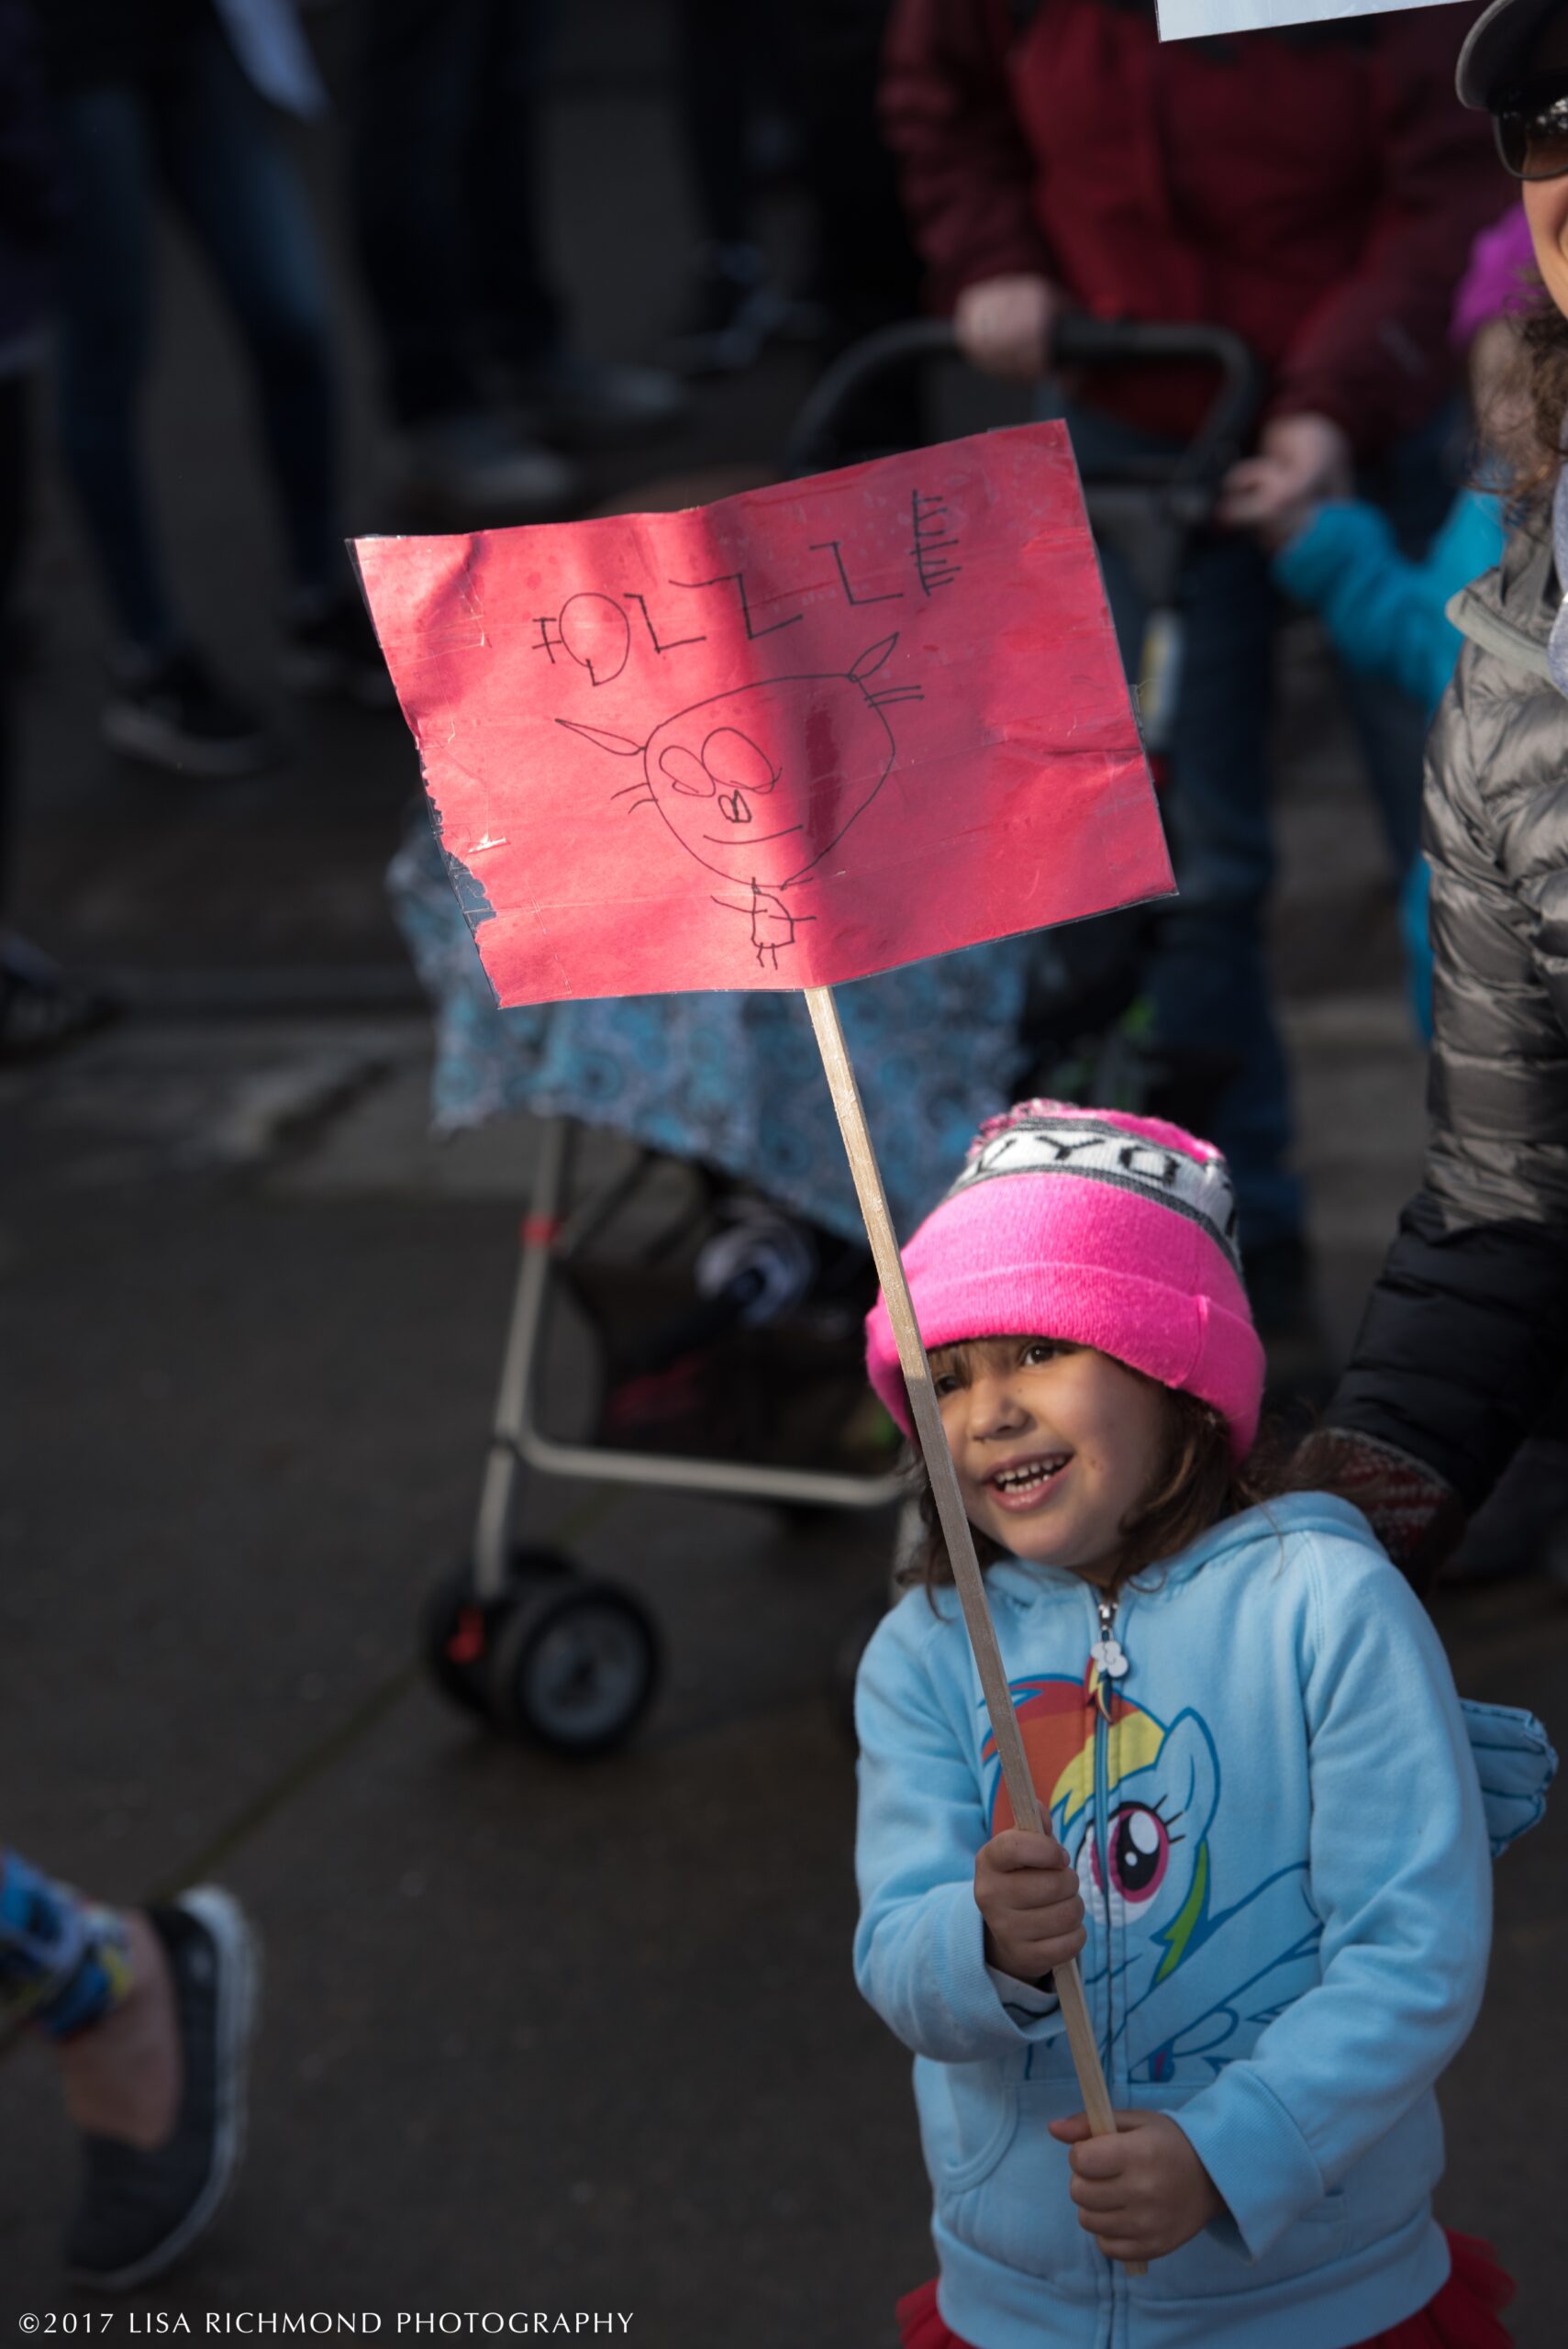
<point>1377,204</point>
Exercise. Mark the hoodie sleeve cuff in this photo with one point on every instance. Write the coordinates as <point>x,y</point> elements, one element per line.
<point>987,2011</point>
<point>1027,1996</point>
<point>1260,2164</point>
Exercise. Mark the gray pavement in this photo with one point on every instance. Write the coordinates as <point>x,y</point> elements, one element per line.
<point>538,2036</point>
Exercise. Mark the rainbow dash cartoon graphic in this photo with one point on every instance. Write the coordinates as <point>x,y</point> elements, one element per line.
<point>1183,1981</point>
<point>757,785</point>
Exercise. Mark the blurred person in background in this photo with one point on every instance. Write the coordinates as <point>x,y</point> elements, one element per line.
<point>731,65</point>
<point>485,386</point>
<point>1463,1352</point>
<point>1315,190</point>
<point>1386,613</point>
<point>41,1008</point>
<point>180,101</point>
<point>148,2013</point>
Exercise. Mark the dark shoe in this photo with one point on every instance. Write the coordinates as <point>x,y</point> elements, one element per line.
<point>473,468</point>
<point>178,716</point>
<point>333,649</point>
<point>140,2211</point>
<point>42,1007</point>
<point>733,312</point>
<point>577,403</point>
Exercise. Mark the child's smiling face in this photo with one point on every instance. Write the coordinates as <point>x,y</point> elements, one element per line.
<point>1054,1445</point>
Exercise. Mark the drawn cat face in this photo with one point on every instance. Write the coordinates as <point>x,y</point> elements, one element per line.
<point>759,783</point>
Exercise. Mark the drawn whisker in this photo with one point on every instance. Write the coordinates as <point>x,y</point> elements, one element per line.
<point>896,693</point>
<point>628,788</point>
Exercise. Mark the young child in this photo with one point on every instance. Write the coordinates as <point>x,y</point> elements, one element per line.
<point>1265,1834</point>
<point>1386,613</point>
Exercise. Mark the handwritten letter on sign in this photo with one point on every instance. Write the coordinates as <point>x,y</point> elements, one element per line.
<point>781,741</point>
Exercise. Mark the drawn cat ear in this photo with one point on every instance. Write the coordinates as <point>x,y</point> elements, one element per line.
<point>869,660</point>
<point>618,744</point>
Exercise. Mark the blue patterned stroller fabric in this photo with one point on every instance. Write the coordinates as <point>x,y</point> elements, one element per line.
<point>732,1080</point>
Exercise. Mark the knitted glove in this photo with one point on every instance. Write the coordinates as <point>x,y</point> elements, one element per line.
<point>1415,1513</point>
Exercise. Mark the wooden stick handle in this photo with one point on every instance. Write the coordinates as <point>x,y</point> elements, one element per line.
<point>955,1524</point>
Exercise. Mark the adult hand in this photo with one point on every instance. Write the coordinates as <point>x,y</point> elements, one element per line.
<point>1004,325</point>
<point>1301,461</point>
<point>1029,1898</point>
<point>1142,2193</point>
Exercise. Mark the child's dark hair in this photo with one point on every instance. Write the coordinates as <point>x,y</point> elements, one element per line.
<point>1198,1483</point>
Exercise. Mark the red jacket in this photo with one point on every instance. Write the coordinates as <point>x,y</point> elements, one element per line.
<point>1317,192</point>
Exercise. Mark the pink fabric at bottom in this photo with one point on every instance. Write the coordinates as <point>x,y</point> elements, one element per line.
<point>1463,2315</point>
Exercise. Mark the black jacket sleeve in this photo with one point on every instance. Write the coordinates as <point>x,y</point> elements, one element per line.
<point>1465,1335</point>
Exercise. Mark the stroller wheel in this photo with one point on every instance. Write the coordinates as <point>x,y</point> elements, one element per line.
<point>458,1629</point>
<point>574,1667</point>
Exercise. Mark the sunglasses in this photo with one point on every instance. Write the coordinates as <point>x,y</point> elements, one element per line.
<point>1531,129</point>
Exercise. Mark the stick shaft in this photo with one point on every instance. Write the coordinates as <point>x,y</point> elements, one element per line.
<point>955,1524</point>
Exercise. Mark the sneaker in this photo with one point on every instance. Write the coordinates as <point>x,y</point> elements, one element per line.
<point>475,469</point>
<point>733,311</point>
<point>330,649</point>
<point>585,403</point>
<point>140,2211</point>
<point>176,715</point>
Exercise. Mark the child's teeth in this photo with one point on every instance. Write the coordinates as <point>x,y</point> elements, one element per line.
<point>1013,1480</point>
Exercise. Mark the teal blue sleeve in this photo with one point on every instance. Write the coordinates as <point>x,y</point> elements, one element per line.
<point>1401,1876</point>
<point>1385,614</point>
<point>920,1943</point>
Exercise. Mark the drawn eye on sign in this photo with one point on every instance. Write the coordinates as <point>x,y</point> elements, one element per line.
<point>757,785</point>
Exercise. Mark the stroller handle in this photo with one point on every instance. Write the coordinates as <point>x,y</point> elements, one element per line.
<point>1077,340</point>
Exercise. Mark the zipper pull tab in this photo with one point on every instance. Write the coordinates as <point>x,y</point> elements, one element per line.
<point>1107,1650</point>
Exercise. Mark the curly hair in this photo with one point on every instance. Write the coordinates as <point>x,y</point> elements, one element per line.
<point>1539,380</point>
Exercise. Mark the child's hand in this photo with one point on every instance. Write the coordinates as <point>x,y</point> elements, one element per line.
<point>1029,1898</point>
<point>1142,2193</point>
<point>1301,461</point>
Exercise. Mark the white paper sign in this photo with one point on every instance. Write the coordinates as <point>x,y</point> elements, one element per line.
<point>1185,19</point>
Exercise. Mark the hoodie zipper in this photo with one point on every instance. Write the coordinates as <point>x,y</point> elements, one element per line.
<point>1106,1652</point>
<point>1109,1653</point>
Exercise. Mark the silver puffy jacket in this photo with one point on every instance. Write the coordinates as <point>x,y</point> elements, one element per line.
<point>1465,1335</point>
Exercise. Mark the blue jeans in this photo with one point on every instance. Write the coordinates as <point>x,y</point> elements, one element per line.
<point>1208,975</point>
<point>200,133</point>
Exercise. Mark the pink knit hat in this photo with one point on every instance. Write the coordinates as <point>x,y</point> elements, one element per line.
<point>1113,1231</point>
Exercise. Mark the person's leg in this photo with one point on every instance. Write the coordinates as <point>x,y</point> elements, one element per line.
<point>148,2013</point>
<point>107,294</point>
<point>41,1008</point>
<point>223,156</point>
<point>420,70</point>
<point>1208,972</point>
<point>167,709</point>
<point>1209,976</point>
<point>569,400</point>
<point>521,317</point>
<point>64,1963</point>
<point>418,66</point>
<point>1414,484</point>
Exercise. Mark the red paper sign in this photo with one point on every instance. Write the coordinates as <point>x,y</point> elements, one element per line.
<point>781,741</point>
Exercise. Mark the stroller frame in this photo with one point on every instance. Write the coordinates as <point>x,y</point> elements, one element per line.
<point>517,1440</point>
<point>518,1636</point>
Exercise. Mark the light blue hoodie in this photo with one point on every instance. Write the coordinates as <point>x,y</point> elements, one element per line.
<point>1295,1950</point>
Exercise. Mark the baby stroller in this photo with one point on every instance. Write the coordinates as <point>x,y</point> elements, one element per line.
<point>713,1260</point>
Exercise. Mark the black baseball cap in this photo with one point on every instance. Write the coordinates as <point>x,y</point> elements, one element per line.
<point>1497,50</point>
